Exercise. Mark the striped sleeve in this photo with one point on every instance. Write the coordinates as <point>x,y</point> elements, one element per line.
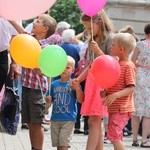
<point>129,75</point>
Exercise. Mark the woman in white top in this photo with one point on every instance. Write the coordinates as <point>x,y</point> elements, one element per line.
<point>7,31</point>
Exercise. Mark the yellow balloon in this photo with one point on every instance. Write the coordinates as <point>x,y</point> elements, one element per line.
<point>25,50</point>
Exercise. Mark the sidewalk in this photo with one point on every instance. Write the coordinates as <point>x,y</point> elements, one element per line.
<point>20,141</point>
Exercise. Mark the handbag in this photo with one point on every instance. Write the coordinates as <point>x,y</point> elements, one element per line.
<point>82,64</point>
<point>9,113</point>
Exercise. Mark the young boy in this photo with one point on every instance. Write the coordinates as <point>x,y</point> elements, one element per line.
<point>64,95</point>
<point>119,97</point>
<point>32,101</point>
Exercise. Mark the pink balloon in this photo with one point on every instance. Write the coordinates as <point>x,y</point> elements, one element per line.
<point>106,71</point>
<point>23,9</point>
<point>91,7</point>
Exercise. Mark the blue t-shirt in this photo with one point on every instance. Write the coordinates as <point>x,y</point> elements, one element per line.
<point>64,102</point>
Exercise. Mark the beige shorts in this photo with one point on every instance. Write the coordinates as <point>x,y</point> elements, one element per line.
<point>61,133</point>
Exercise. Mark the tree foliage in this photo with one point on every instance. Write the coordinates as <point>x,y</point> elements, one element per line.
<point>67,10</point>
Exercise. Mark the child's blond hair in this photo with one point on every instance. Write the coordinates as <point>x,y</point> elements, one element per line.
<point>71,61</point>
<point>125,40</point>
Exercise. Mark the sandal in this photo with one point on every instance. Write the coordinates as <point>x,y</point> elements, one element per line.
<point>145,144</point>
<point>135,143</point>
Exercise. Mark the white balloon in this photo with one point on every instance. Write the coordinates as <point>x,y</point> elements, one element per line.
<point>23,9</point>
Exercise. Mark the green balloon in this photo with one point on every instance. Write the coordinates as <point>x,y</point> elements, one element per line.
<point>52,60</point>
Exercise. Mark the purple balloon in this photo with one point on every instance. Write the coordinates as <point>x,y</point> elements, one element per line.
<point>91,7</point>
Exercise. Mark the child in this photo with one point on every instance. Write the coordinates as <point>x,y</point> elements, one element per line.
<point>99,44</point>
<point>127,131</point>
<point>119,97</point>
<point>32,100</point>
<point>64,96</point>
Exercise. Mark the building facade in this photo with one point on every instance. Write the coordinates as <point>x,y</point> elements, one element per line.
<point>129,12</point>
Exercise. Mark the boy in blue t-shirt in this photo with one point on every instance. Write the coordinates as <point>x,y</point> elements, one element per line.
<point>64,96</point>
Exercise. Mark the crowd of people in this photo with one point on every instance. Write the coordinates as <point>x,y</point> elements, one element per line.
<point>75,97</point>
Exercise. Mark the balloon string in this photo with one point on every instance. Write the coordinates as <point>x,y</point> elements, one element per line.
<point>92,36</point>
<point>49,89</point>
<point>43,112</point>
<point>92,28</point>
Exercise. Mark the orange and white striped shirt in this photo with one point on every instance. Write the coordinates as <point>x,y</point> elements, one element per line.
<point>127,78</point>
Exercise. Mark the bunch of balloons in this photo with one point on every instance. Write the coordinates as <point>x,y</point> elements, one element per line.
<point>105,69</point>
<point>52,60</point>
<point>26,51</point>
<point>23,9</point>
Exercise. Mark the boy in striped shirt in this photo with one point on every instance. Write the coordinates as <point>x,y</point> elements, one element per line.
<point>119,98</point>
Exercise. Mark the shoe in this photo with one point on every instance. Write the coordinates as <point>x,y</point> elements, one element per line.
<point>45,129</point>
<point>106,141</point>
<point>86,132</point>
<point>24,126</point>
<point>135,143</point>
<point>148,136</point>
<point>126,132</point>
<point>76,131</point>
<point>145,144</point>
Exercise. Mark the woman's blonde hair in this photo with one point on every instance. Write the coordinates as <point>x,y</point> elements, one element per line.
<point>129,29</point>
<point>104,22</point>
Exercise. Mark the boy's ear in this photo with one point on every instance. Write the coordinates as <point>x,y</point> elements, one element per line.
<point>121,48</point>
<point>46,28</point>
<point>73,69</point>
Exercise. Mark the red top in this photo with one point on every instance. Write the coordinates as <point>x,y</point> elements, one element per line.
<point>127,78</point>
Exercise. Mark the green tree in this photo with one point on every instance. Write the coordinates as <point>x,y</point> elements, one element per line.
<point>67,10</point>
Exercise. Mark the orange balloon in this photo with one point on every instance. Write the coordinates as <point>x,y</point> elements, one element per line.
<point>25,50</point>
